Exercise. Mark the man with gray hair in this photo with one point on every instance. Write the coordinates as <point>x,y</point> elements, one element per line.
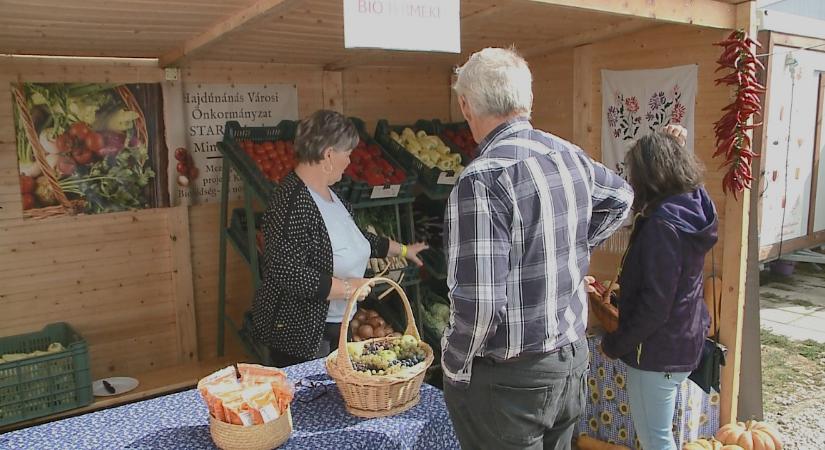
<point>520,225</point>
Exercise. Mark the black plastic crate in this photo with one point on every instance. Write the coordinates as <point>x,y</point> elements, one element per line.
<point>234,133</point>
<point>435,181</point>
<point>454,127</point>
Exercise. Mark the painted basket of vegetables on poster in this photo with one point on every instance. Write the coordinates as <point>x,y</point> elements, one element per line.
<point>85,148</point>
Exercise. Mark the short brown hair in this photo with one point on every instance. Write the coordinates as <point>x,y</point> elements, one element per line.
<point>659,167</point>
<point>321,130</point>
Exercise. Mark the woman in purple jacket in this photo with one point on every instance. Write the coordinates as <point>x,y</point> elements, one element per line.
<point>663,320</point>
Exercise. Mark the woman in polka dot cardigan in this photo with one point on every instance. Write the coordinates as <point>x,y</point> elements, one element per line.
<point>315,256</point>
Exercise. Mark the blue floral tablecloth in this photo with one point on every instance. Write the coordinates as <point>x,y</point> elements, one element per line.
<point>179,421</point>
<point>607,415</point>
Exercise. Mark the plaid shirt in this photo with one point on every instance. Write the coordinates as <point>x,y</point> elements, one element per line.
<point>519,227</point>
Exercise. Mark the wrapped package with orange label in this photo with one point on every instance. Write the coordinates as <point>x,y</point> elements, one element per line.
<point>251,395</point>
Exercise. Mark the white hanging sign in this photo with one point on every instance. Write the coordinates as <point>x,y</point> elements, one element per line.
<point>422,25</point>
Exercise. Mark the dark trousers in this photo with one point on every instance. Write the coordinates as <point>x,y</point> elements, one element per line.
<point>329,343</point>
<point>531,402</point>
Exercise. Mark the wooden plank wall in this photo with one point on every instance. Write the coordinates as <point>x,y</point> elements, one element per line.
<point>659,47</point>
<point>400,95</point>
<point>113,276</point>
<point>110,276</point>
<point>553,93</point>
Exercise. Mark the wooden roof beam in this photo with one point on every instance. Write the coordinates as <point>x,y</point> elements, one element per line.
<point>707,13</point>
<point>254,11</point>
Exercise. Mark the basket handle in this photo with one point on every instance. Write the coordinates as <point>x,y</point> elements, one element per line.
<point>39,151</point>
<point>344,361</point>
<point>131,103</point>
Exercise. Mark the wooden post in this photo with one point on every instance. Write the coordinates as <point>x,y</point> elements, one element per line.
<point>583,98</point>
<point>184,300</point>
<point>734,270</point>
<point>332,91</point>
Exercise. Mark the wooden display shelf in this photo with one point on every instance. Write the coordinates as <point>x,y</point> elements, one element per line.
<point>152,384</point>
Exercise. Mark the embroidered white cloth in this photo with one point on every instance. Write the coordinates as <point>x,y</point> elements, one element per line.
<point>636,102</point>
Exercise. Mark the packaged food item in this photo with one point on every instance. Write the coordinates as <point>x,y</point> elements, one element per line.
<point>249,395</point>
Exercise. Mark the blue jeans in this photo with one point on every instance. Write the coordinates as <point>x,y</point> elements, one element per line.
<point>652,401</point>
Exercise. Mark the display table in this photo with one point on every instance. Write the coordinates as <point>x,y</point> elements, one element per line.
<point>179,421</point>
<point>607,414</point>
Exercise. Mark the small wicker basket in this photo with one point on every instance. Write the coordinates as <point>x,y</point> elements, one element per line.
<point>377,395</point>
<point>265,436</point>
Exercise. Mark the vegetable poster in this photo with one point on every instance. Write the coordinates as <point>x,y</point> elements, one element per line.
<point>87,148</point>
<point>636,102</point>
<point>195,117</point>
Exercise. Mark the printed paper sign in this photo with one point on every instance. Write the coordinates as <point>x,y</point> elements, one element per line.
<point>203,115</point>
<point>424,25</point>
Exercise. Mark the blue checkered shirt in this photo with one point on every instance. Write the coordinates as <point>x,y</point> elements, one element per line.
<point>520,224</point>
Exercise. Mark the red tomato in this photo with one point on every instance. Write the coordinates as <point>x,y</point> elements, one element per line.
<point>180,154</point>
<point>374,179</point>
<point>93,141</point>
<point>27,184</point>
<point>266,166</point>
<point>79,130</point>
<point>269,146</point>
<point>83,157</point>
<point>28,201</point>
<point>62,143</point>
<point>182,169</point>
<point>259,149</point>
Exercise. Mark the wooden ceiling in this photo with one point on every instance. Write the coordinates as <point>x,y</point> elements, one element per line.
<point>285,31</point>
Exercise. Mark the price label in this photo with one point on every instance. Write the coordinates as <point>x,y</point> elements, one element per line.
<point>444,178</point>
<point>385,191</point>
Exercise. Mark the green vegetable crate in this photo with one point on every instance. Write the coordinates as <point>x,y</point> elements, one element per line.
<point>437,183</point>
<point>42,385</point>
<point>284,131</point>
<point>361,192</point>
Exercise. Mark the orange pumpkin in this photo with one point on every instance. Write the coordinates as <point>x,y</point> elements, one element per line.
<point>750,435</point>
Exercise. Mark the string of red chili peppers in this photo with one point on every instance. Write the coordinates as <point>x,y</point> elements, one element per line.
<point>732,139</point>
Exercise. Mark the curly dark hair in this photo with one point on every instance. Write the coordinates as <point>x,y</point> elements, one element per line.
<point>659,167</point>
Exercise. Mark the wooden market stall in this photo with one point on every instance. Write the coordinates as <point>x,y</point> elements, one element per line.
<point>141,286</point>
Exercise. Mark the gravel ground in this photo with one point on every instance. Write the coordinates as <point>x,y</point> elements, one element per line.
<point>793,381</point>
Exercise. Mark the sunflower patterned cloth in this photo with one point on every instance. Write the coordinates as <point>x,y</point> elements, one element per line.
<point>607,414</point>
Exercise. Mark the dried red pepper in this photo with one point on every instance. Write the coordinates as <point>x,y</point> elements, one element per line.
<point>732,139</point>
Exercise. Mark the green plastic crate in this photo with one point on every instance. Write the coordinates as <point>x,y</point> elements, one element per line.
<point>47,384</point>
<point>437,183</point>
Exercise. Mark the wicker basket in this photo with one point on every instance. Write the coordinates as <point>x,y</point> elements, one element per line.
<point>373,395</point>
<point>256,437</point>
<point>66,205</point>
